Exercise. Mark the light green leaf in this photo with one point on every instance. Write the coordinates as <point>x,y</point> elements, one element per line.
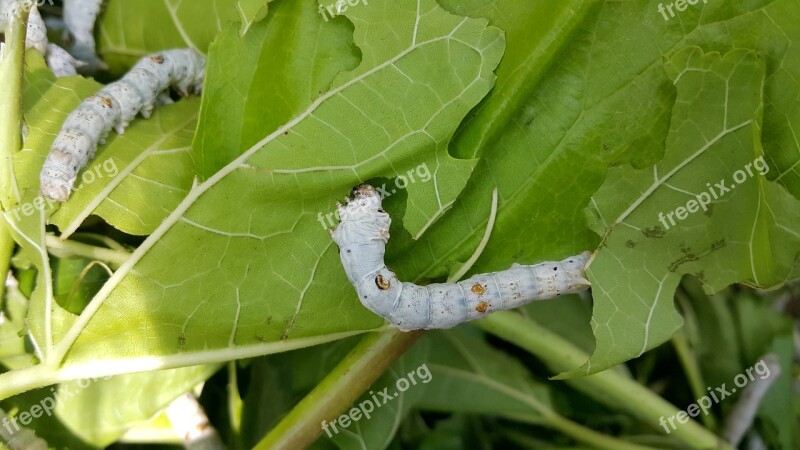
<point>233,120</point>
<point>653,229</point>
<point>169,24</point>
<point>256,272</point>
<point>101,410</point>
<point>251,11</point>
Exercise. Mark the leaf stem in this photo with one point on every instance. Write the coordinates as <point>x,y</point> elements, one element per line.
<point>692,370</point>
<point>608,386</point>
<point>339,389</point>
<point>12,65</point>
<point>589,436</point>
<point>62,249</point>
<point>6,250</point>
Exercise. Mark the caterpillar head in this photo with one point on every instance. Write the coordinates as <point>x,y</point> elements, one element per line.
<point>362,218</point>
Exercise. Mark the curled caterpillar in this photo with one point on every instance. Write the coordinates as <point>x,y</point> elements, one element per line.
<point>362,235</point>
<point>114,106</point>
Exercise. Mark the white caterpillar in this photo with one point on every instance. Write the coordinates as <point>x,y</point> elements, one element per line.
<point>362,235</point>
<point>114,106</point>
<point>79,18</point>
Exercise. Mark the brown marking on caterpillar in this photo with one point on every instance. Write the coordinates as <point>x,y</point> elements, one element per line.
<point>382,283</point>
<point>477,289</point>
<point>107,102</point>
<point>158,59</point>
<point>482,307</point>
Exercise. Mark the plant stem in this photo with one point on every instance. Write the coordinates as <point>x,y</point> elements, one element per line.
<point>12,66</point>
<point>6,250</point>
<point>692,370</point>
<point>339,389</point>
<point>60,248</point>
<point>589,436</point>
<point>608,386</point>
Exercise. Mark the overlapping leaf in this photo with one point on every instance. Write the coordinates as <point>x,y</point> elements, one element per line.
<point>705,209</point>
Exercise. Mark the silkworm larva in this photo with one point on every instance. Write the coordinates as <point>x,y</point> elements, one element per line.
<point>114,106</point>
<point>79,19</point>
<point>362,235</point>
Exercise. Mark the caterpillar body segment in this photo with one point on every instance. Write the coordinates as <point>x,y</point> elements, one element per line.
<point>113,107</point>
<point>362,235</point>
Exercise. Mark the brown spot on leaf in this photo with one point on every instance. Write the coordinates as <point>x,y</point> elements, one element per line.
<point>630,244</point>
<point>482,307</point>
<point>654,232</point>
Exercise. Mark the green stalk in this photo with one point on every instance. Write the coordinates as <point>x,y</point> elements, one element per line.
<point>67,248</point>
<point>339,389</point>
<point>6,250</point>
<point>12,68</point>
<point>692,370</point>
<point>608,386</point>
<point>589,436</point>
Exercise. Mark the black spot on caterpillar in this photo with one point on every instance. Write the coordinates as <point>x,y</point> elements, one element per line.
<point>114,106</point>
<point>363,233</point>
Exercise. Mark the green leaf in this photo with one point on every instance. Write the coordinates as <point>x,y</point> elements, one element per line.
<point>606,101</point>
<point>13,351</point>
<point>169,24</point>
<point>257,273</point>
<point>233,120</point>
<point>251,11</point>
<point>100,411</point>
<point>653,228</point>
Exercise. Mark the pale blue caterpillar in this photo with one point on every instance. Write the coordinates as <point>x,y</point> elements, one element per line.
<point>114,106</point>
<point>362,235</point>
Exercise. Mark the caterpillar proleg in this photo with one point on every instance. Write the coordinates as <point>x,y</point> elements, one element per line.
<point>114,106</point>
<point>362,235</point>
